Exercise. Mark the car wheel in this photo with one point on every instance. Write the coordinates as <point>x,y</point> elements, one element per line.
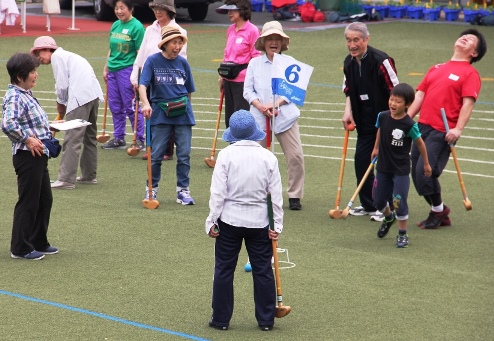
<point>103,12</point>
<point>198,12</point>
<point>65,4</point>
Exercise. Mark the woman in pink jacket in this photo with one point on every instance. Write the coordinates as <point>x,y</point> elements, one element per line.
<point>241,37</point>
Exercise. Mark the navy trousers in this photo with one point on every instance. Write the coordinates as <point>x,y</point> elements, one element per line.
<point>259,248</point>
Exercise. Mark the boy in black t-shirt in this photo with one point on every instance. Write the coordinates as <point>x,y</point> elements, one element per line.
<point>396,132</point>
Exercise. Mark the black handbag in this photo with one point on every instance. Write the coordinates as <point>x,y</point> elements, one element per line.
<point>231,70</point>
<point>53,146</point>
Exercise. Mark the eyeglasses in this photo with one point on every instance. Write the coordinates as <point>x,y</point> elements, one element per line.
<point>159,10</point>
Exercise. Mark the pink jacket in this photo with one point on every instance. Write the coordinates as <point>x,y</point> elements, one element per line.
<point>240,46</point>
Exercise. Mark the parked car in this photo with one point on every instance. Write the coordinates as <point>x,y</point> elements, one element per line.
<point>103,9</point>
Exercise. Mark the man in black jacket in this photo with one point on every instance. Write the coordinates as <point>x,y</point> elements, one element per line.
<point>370,74</point>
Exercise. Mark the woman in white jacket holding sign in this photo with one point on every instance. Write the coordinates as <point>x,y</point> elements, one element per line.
<point>258,92</point>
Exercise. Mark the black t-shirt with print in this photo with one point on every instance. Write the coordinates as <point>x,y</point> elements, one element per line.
<point>396,137</point>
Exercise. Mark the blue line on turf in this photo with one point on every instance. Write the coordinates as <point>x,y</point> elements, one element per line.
<point>103,316</point>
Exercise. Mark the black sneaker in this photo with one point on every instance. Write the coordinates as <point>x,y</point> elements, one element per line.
<point>212,325</point>
<point>436,219</point>
<point>114,144</point>
<point>385,225</point>
<point>294,204</point>
<point>266,328</point>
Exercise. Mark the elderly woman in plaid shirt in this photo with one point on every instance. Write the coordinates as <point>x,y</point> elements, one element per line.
<point>26,124</point>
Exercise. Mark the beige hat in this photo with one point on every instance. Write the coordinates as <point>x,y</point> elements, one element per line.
<point>269,28</point>
<point>168,5</point>
<point>44,42</point>
<point>168,33</point>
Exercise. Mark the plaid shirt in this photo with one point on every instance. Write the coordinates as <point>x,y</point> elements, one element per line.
<point>23,117</point>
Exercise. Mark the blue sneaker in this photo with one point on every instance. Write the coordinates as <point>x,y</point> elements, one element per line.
<point>385,225</point>
<point>402,241</point>
<point>50,250</point>
<point>184,198</point>
<point>33,255</point>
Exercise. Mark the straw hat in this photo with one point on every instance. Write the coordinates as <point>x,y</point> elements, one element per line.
<point>44,42</point>
<point>168,33</point>
<point>243,126</point>
<point>168,5</point>
<point>269,28</point>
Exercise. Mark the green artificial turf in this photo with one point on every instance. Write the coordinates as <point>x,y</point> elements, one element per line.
<point>153,269</point>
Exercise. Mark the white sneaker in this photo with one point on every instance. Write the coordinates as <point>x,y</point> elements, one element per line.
<point>359,211</point>
<point>62,185</point>
<point>81,180</point>
<point>377,216</point>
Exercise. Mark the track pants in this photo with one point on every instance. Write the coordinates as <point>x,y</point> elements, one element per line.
<point>438,152</point>
<point>120,95</point>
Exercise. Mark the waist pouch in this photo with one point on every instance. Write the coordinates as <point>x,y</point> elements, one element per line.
<point>53,147</point>
<point>176,107</point>
<point>230,70</point>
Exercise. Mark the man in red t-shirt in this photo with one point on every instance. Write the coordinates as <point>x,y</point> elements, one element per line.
<point>454,86</point>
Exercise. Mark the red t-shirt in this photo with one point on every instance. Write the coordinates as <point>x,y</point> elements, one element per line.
<point>445,86</point>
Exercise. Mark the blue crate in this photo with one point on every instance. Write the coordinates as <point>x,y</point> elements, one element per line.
<point>397,11</point>
<point>469,14</point>
<point>383,11</point>
<point>368,9</point>
<point>415,12</point>
<point>257,5</point>
<point>268,6</point>
<point>451,14</point>
<point>432,14</point>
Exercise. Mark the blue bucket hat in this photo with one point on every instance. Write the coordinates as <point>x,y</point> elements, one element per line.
<point>243,126</point>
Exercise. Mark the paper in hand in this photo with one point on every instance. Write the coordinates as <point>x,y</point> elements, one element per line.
<point>67,125</point>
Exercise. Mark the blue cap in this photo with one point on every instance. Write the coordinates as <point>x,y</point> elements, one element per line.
<point>243,126</point>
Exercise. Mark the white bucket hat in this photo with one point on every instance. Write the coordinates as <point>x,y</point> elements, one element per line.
<point>269,28</point>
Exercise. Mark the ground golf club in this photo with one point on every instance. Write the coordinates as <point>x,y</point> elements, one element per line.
<point>466,201</point>
<point>281,310</point>
<point>133,150</point>
<point>345,212</point>
<point>211,161</point>
<point>336,213</point>
<point>150,202</point>
<point>103,137</point>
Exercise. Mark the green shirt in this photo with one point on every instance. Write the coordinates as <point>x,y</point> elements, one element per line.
<point>125,41</point>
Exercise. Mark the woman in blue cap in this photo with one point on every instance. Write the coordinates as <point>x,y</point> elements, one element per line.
<point>244,173</point>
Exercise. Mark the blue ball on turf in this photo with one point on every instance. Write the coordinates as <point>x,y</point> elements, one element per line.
<point>248,267</point>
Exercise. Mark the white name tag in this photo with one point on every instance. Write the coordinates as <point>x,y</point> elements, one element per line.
<point>125,31</point>
<point>364,97</point>
<point>239,40</point>
<point>453,77</point>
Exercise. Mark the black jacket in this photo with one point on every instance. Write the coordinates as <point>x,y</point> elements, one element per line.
<point>381,72</point>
